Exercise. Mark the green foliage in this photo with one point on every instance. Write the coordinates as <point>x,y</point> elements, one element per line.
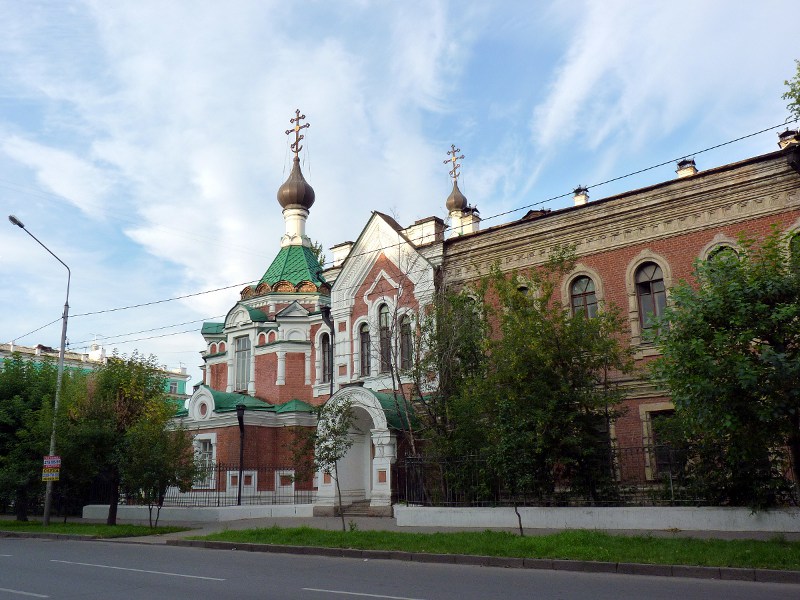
<point>155,458</point>
<point>319,253</point>
<point>333,440</point>
<point>547,387</point>
<point>121,422</point>
<point>27,393</point>
<point>793,93</point>
<point>453,335</point>
<point>731,362</point>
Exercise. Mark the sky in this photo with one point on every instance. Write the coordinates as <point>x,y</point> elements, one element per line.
<point>143,141</point>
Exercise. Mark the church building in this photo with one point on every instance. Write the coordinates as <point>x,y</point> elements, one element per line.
<point>305,335</point>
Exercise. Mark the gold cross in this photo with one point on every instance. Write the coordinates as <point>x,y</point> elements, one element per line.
<point>296,147</point>
<point>453,158</point>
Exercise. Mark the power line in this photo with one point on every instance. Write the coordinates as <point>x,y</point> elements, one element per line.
<point>111,337</point>
<point>109,310</point>
<point>397,245</point>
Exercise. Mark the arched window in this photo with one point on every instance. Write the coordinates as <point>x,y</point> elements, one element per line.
<point>326,358</point>
<point>242,354</point>
<point>583,297</point>
<point>722,253</point>
<point>363,338</point>
<point>213,349</point>
<point>651,294</point>
<point>385,339</point>
<point>405,343</point>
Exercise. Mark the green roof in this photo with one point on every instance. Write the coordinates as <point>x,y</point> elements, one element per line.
<point>227,401</point>
<point>294,406</point>
<point>395,411</point>
<point>210,328</point>
<point>256,315</point>
<point>294,264</point>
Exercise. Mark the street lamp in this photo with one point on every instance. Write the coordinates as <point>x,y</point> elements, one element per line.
<point>48,497</point>
<point>240,415</point>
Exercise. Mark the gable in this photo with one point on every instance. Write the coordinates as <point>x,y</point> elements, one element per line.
<point>381,243</point>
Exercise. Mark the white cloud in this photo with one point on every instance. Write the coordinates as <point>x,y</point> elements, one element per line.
<point>76,180</point>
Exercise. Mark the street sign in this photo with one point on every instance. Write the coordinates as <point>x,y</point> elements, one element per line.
<point>51,468</point>
<point>52,461</point>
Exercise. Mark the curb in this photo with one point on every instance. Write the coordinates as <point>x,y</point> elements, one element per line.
<point>585,566</point>
<point>49,536</point>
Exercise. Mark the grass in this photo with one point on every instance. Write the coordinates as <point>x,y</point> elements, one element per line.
<point>572,545</point>
<point>87,529</point>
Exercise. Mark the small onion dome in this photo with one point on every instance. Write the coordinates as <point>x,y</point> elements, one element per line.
<point>456,200</point>
<point>295,191</point>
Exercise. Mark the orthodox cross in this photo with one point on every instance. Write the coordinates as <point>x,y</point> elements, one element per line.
<point>296,147</point>
<point>453,158</point>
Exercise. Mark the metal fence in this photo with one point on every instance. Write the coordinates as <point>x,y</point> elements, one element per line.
<point>218,485</point>
<point>639,476</point>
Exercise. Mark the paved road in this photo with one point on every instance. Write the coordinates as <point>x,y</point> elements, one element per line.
<point>36,568</point>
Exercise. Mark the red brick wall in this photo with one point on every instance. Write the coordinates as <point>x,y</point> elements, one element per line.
<point>266,366</point>
<point>219,377</point>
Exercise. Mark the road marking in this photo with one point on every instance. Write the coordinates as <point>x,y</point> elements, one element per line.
<point>21,593</point>
<point>357,594</point>
<point>6,555</point>
<point>68,562</point>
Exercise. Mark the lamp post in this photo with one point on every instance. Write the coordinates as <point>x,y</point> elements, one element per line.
<point>48,498</point>
<point>240,416</point>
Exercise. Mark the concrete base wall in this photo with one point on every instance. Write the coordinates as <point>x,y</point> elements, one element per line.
<point>644,518</point>
<point>200,514</point>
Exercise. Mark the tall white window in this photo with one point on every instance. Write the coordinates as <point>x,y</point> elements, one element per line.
<point>242,364</point>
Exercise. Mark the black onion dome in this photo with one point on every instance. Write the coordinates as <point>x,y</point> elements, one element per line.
<point>295,191</point>
<point>456,200</point>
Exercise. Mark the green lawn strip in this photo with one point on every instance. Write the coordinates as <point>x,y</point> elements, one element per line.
<point>87,529</point>
<point>572,545</point>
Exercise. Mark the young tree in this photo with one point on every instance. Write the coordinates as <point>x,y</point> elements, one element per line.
<point>121,394</point>
<point>155,458</point>
<point>333,440</point>
<point>793,93</point>
<point>731,362</point>
<point>548,387</point>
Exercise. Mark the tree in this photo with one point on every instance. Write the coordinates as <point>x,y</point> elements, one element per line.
<point>793,93</point>
<point>548,386</point>
<point>156,458</point>
<point>123,394</point>
<point>333,440</point>
<point>26,404</point>
<point>731,362</point>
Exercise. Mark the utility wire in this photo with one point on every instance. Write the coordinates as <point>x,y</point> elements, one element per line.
<point>397,245</point>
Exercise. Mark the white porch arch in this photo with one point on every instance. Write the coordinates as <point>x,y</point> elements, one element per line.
<point>365,473</point>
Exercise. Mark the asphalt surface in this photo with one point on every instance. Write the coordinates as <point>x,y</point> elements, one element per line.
<point>87,570</point>
<point>389,524</point>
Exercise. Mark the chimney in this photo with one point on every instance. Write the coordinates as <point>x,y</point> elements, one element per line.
<point>686,167</point>
<point>581,196</point>
<point>340,252</point>
<point>790,137</point>
<point>470,220</point>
